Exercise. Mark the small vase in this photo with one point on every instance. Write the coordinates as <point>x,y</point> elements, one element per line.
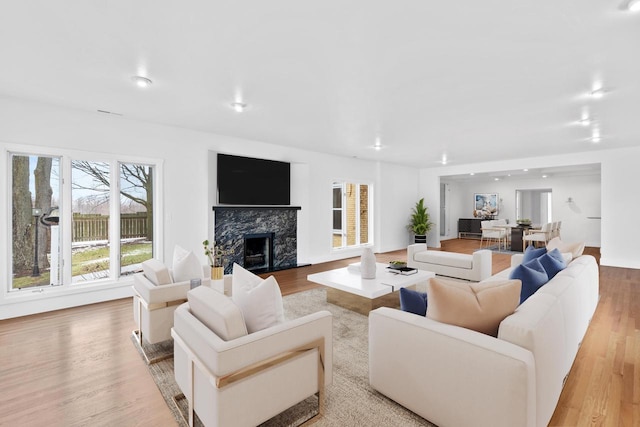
<point>217,273</point>
<point>368,264</point>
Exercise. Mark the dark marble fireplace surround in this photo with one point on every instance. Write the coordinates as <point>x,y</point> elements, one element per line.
<point>233,223</point>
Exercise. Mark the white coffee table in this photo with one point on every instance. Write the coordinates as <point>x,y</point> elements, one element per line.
<point>347,288</point>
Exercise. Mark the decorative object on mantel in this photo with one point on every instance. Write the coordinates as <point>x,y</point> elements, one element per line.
<point>215,255</point>
<point>368,264</point>
<point>419,223</point>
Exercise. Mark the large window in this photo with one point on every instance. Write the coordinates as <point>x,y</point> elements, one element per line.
<point>136,216</point>
<point>63,209</point>
<point>351,214</point>
<point>35,189</point>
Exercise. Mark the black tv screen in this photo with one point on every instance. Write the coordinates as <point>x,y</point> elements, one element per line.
<point>248,181</point>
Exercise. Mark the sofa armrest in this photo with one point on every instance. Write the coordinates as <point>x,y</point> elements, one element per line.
<point>155,294</point>
<point>516,259</point>
<point>414,249</point>
<point>225,357</point>
<point>435,369</point>
<point>482,264</point>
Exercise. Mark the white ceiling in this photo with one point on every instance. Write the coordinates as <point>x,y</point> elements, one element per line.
<point>475,81</point>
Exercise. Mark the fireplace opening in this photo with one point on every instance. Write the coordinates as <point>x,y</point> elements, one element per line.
<point>258,251</point>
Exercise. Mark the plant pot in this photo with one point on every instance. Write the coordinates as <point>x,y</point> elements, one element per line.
<point>217,273</point>
<point>421,238</point>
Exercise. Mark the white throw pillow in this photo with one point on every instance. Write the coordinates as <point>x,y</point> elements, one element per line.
<point>156,272</point>
<point>576,248</point>
<point>185,265</point>
<point>217,312</point>
<point>260,300</point>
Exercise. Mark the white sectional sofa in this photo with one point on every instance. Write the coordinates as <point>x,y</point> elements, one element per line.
<point>474,267</point>
<point>458,377</point>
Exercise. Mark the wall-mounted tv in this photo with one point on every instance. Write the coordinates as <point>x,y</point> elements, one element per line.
<point>249,181</point>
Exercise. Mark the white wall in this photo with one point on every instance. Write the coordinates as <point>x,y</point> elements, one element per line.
<point>399,185</point>
<point>189,186</point>
<point>576,224</point>
<point>619,205</point>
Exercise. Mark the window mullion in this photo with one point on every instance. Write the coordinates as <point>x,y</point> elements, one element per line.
<point>343,212</point>
<point>114,220</point>
<point>66,220</point>
<point>357,213</point>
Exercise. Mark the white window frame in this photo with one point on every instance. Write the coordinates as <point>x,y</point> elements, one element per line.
<point>342,183</point>
<point>7,294</point>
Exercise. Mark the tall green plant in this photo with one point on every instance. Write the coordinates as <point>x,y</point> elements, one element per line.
<point>420,224</point>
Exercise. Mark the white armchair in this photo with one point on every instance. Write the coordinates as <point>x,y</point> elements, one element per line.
<point>544,234</point>
<point>155,298</point>
<point>231,378</point>
<point>494,230</point>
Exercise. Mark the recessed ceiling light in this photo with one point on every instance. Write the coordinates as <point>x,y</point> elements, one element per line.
<point>377,145</point>
<point>585,121</point>
<point>239,107</point>
<point>472,173</point>
<point>595,136</point>
<point>444,159</point>
<point>544,176</point>
<point>633,5</point>
<point>597,93</point>
<point>496,179</point>
<point>141,81</point>
<point>525,170</point>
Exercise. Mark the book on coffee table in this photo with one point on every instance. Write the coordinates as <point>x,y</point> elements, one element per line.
<point>405,271</point>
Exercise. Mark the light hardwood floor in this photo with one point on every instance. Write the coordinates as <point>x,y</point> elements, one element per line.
<point>78,367</point>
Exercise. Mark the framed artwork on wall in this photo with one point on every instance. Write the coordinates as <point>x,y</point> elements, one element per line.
<point>485,205</point>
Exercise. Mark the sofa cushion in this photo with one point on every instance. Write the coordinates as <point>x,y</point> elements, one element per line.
<point>217,312</point>
<point>260,300</point>
<point>413,301</point>
<point>576,248</point>
<point>445,258</point>
<point>533,276</point>
<point>156,272</point>
<point>552,262</point>
<point>477,306</point>
<point>185,265</point>
<point>531,253</point>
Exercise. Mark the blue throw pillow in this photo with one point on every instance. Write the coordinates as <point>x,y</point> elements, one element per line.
<point>553,262</point>
<point>531,253</point>
<point>532,275</point>
<point>413,301</point>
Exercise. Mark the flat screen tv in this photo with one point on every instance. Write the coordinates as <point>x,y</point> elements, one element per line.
<point>249,181</point>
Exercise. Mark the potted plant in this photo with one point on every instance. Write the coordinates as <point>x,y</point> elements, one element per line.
<point>419,223</point>
<point>214,254</point>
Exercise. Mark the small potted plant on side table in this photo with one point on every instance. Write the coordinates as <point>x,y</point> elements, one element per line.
<point>214,254</point>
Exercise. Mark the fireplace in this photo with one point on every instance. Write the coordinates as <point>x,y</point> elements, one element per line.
<point>258,251</point>
<point>234,224</point>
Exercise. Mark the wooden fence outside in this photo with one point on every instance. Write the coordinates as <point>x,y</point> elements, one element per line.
<point>96,227</point>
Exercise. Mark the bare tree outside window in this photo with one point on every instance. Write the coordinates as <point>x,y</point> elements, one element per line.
<point>34,179</point>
